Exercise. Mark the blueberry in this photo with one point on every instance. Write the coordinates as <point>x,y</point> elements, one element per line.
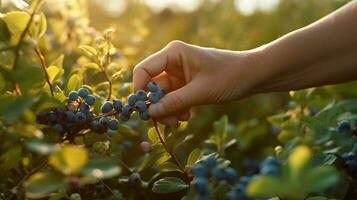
<point>343,126</point>
<point>210,162</point>
<point>90,100</point>
<point>69,115</point>
<point>69,125</point>
<point>199,170</point>
<point>239,191</point>
<point>114,124</point>
<point>161,93</point>
<point>104,121</point>
<point>84,108</point>
<point>153,97</point>
<point>270,160</point>
<point>152,87</point>
<point>231,174</point>
<point>348,156</point>
<point>83,92</point>
<point>251,167</point>
<point>61,110</point>
<point>218,173</point>
<point>141,95</point>
<point>73,96</point>
<point>126,144</point>
<point>124,117</point>
<point>111,132</point>
<point>80,117</point>
<point>127,109</point>
<point>58,128</point>
<point>134,178</point>
<point>140,106</point>
<point>107,107</point>
<point>144,115</point>
<point>200,185</point>
<point>270,170</point>
<point>244,180</point>
<point>132,99</point>
<point>117,104</point>
<point>95,125</point>
<point>52,117</point>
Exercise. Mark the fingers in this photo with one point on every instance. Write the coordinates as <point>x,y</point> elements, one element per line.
<point>174,121</point>
<point>176,101</point>
<point>167,83</point>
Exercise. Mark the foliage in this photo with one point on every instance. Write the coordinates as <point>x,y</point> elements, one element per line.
<point>306,148</point>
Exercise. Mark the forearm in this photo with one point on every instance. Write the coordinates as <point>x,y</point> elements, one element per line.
<point>324,52</point>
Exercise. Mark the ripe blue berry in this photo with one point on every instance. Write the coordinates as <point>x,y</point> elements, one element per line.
<point>69,115</point>
<point>84,108</point>
<point>114,124</point>
<point>73,95</point>
<point>83,92</point>
<point>343,126</point>
<point>95,125</point>
<point>104,121</point>
<point>58,128</point>
<point>270,170</point>
<point>52,117</point>
<point>270,160</point>
<point>107,107</point>
<point>127,109</point>
<point>90,100</point>
<point>144,115</point>
<point>124,117</point>
<point>153,97</point>
<point>210,162</point>
<point>244,180</point>
<point>140,106</point>
<point>141,95</point>
<point>199,170</point>
<point>200,185</point>
<point>231,174</point>
<point>117,104</point>
<point>132,99</point>
<point>152,87</point>
<point>80,117</point>
<point>218,173</point>
<point>161,93</point>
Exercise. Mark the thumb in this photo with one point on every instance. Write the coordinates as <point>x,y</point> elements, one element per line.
<point>175,101</point>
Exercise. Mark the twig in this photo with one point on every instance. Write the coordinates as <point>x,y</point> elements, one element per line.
<point>107,187</point>
<point>44,67</point>
<point>15,86</point>
<point>172,153</point>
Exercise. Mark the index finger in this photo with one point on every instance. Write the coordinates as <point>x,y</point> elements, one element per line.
<point>148,69</point>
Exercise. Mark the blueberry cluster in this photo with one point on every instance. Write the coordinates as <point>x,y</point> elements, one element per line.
<point>343,126</point>
<point>350,162</point>
<point>210,168</point>
<point>238,190</point>
<point>270,166</point>
<point>78,113</point>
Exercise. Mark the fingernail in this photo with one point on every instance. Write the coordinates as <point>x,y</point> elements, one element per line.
<point>156,110</point>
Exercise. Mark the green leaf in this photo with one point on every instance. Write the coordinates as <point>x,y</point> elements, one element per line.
<point>38,26</point>
<point>169,185</point>
<point>265,187</point>
<point>220,126</point>
<point>58,61</point>
<point>40,147</point>
<point>54,73</point>
<point>92,65</point>
<point>10,159</point>
<point>320,178</point>
<point>88,50</point>
<point>317,198</point>
<point>41,184</point>
<point>74,82</point>
<point>193,157</point>
<point>100,169</point>
<point>20,4</point>
<point>11,108</point>
<point>69,159</point>
<point>157,155</point>
<point>16,22</point>
<point>298,161</point>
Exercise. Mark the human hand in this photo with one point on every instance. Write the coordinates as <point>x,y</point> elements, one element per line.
<point>192,76</point>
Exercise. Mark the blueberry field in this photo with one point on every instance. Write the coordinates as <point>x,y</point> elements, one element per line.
<point>72,127</point>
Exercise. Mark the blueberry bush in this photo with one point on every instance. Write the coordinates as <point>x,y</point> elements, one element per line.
<point>72,128</point>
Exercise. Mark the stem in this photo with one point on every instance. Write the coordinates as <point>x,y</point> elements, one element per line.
<point>110,83</point>
<point>15,86</point>
<point>172,153</point>
<point>107,187</point>
<point>44,67</point>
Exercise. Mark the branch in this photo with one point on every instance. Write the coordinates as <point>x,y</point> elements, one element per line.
<point>172,154</point>
<point>15,86</point>
<point>44,67</point>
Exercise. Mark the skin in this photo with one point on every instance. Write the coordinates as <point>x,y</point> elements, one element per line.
<point>324,52</point>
